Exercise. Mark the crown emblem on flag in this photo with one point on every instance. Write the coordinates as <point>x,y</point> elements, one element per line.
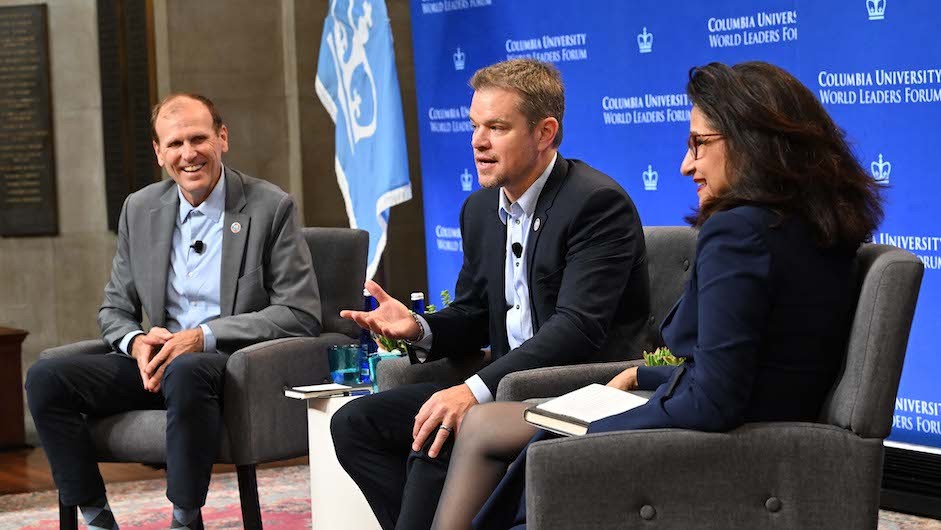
<point>467,181</point>
<point>645,41</point>
<point>876,9</point>
<point>881,170</point>
<point>650,179</point>
<point>353,72</point>
<point>459,58</point>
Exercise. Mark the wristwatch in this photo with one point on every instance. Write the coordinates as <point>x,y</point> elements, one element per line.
<point>421,328</point>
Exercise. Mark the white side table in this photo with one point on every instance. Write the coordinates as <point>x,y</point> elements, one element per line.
<point>336,503</point>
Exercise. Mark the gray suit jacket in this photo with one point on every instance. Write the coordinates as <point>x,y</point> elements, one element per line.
<point>268,288</point>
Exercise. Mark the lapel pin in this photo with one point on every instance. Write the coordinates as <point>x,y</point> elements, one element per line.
<point>236,227</point>
<point>537,224</point>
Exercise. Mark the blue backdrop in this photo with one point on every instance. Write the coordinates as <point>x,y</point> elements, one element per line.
<point>876,65</point>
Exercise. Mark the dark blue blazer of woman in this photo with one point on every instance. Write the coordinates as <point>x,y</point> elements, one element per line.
<point>762,326</point>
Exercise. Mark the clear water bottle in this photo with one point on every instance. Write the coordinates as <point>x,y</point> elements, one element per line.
<point>418,303</point>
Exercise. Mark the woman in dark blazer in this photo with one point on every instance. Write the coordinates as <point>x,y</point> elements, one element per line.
<point>783,206</point>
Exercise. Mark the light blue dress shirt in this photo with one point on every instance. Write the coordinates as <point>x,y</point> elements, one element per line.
<point>194,279</point>
<point>518,218</point>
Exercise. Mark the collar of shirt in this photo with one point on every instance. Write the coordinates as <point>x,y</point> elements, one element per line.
<point>212,207</point>
<point>527,202</point>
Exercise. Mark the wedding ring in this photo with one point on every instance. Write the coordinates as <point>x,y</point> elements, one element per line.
<point>445,428</point>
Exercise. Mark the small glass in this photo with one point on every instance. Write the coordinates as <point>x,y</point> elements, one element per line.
<point>344,364</point>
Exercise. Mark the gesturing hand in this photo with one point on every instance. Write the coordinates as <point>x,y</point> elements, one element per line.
<point>446,407</point>
<point>391,318</point>
<point>186,341</point>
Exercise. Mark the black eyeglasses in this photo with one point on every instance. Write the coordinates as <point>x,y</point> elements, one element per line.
<point>695,141</point>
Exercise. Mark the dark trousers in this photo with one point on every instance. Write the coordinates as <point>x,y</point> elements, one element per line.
<point>373,440</point>
<point>61,391</point>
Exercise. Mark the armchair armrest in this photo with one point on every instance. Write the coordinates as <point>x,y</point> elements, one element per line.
<point>763,475</point>
<point>85,347</point>
<point>262,423</point>
<point>557,380</point>
<point>391,373</point>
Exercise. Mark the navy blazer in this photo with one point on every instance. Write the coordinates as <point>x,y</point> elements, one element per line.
<point>762,326</point>
<point>587,276</point>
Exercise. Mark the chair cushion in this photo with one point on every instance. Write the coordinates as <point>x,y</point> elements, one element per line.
<point>138,436</point>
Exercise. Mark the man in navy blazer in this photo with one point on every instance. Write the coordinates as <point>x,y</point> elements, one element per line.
<point>554,272</point>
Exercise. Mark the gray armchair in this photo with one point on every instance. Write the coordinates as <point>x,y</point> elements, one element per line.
<point>261,424</point>
<point>761,475</point>
<point>670,251</point>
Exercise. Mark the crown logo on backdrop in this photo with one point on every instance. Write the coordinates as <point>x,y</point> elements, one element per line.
<point>881,170</point>
<point>352,68</point>
<point>467,181</point>
<point>645,41</point>
<point>459,58</point>
<point>650,179</point>
<point>876,9</point>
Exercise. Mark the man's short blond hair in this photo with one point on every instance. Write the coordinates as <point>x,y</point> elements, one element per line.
<point>539,85</point>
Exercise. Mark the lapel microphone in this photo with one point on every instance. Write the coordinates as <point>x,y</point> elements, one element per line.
<point>517,250</point>
<point>198,246</point>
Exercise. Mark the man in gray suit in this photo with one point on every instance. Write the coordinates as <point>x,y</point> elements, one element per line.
<point>216,260</point>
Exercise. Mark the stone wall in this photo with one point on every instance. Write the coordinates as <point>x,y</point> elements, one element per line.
<point>52,286</point>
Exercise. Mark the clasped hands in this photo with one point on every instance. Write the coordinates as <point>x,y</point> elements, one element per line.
<point>155,350</point>
<point>444,411</point>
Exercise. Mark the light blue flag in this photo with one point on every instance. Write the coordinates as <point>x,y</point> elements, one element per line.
<point>358,85</point>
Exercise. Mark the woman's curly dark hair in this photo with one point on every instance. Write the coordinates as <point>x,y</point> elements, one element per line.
<point>784,152</point>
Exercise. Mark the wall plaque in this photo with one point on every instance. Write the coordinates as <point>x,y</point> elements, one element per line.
<point>27,167</point>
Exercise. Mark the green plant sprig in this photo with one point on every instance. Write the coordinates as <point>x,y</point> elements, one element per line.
<point>662,357</point>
